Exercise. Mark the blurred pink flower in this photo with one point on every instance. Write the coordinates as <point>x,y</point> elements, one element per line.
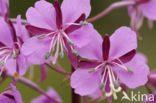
<point>11,40</point>
<point>57,29</point>
<point>11,96</point>
<point>43,99</point>
<point>113,63</point>
<point>143,8</point>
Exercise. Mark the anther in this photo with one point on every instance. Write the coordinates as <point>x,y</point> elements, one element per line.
<point>47,55</point>
<point>130,70</point>
<point>92,70</point>
<point>61,54</point>
<point>83,22</point>
<point>74,52</point>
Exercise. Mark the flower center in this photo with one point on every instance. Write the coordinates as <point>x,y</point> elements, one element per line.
<point>57,44</point>
<point>109,79</point>
<point>6,53</point>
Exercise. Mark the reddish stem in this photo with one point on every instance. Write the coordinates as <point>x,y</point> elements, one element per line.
<point>58,70</point>
<point>110,8</point>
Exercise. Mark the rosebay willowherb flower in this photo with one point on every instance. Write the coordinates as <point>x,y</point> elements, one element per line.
<point>100,69</point>
<point>113,63</point>
<point>57,29</point>
<point>11,40</point>
<point>143,8</point>
<point>11,96</point>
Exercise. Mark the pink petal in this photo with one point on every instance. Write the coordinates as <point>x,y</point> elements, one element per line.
<point>123,40</point>
<point>21,30</point>
<point>5,33</point>
<point>93,41</point>
<point>42,15</point>
<point>85,83</point>
<point>22,64</point>
<point>72,9</point>
<point>82,36</point>
<point>139,75</point>
<point>5,99</point>
<point>96,94</point>
<point>11,66</point>
<point>149,9</point>
<point>35,49</point>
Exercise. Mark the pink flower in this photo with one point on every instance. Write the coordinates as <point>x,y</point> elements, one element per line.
<point>143,8</point>
<point>43,99</point>
<point>57,29</point>
<point>113,63</point>
<point>11,40</point>
<point>11,96</point>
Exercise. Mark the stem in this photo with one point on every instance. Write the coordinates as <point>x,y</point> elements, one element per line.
<point>33,86</point>
<point>110,8</point>
<point>75,97</point>
<point>24,22</point>
<point>58,70</point>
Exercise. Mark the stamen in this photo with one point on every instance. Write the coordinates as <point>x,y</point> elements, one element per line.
<point>46,35</point>
<point>94,69</point>
<point>47,55</point>
<point>68,39</point>
<point>57,50</point>
<point>115,96</point>
<point>14,55</point>
<point>83,22</point>
<point>74,52</point>
<point>52,44</point>
<point>124,67</point>
<point>69,24</point>
<point>62,52</point>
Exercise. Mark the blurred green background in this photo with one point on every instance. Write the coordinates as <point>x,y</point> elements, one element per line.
<point>107,25</point>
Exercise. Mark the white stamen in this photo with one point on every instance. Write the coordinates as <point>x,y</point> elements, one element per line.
<point>52,44</point>
<point>57,50</point>
<point>68,39</point>
<point>73,24</point>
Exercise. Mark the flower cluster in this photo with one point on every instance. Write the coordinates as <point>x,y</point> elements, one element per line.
<point>101,67</point>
